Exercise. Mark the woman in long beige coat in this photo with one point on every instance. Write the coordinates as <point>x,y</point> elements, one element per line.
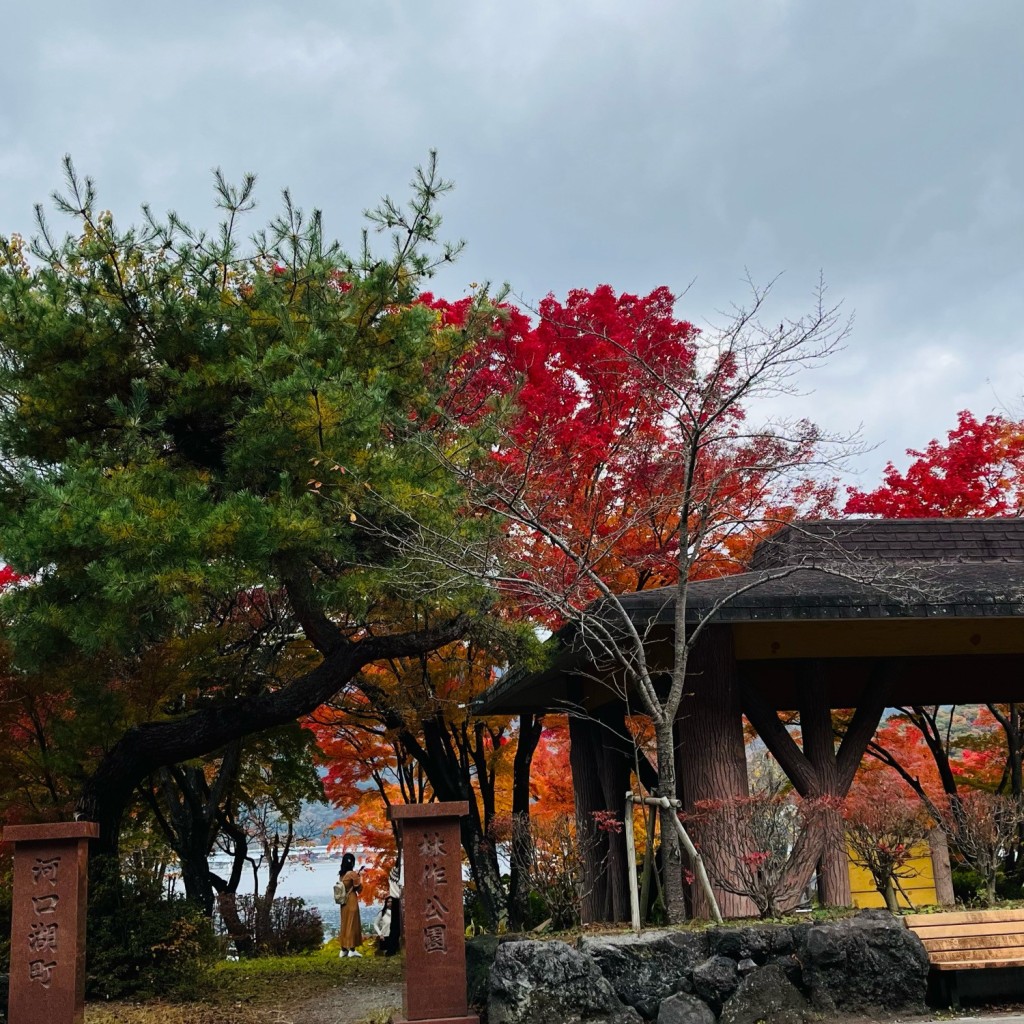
<point>351,935</point>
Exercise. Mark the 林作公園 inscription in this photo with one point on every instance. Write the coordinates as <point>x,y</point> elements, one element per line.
<point>435,875</point>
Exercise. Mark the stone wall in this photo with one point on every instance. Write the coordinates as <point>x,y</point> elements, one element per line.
<point>786,974</point>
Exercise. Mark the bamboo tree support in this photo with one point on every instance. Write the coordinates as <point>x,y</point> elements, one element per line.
<point>695,857</point>
<point>634,903</point>
<point>645,882</point>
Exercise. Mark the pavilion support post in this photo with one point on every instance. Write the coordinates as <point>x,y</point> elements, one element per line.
<point>819,770</point>
<point>712,757</point>
<point>614,769</point>
<point>820,749</point>
<point>599,756</point>
<point>584,756</point>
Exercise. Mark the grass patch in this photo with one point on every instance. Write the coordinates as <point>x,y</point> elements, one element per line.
<point>253,991</point>
<point>264,979</point>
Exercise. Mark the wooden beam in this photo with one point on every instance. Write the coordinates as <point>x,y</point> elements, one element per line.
<point>862,727</point>
<point>859,638</point>
<point>777,739</point>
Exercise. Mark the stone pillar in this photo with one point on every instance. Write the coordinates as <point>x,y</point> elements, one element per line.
<point>432,920</point>
<point>47,980</point>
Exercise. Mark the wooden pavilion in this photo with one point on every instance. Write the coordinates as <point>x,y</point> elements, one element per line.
<point>854,614</point>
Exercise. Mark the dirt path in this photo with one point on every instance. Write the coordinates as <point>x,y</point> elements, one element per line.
<point>348,1005</point>
<point>355,1003</point>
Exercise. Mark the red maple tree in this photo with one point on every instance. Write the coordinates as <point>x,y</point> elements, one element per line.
<point>978,471</point>
<point>579,410</point>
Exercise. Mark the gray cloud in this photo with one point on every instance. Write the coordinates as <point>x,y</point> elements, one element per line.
<point>638,144</point>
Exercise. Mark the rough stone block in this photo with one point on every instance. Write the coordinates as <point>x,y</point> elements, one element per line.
<point>715,980</point>
<point>766,995</point>
<point>542,982</point>
<point>868,962</point>
<point>643,971</point>
<point>684,1009</point>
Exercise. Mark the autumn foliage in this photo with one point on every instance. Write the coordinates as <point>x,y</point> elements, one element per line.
<point>962,763</point>
<point>591,451</point>
<point>885,828</point>
<point>575,411</point>
<point>976,472</point>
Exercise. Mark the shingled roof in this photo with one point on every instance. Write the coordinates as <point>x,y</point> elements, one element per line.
<point>829,570</point>
<point>893,540</point>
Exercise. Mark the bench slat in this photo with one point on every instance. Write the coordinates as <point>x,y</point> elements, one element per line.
<point>972,965</point>
<point>916,921</point>
<point>972,939</point>
<point>966,942</point>
<point>953,931</point>
<point>978,955</point>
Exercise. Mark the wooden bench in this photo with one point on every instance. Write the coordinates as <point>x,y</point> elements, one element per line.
<point>967,941</point>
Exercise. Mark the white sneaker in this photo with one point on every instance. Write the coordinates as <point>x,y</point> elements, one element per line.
<point>355,952</point>
<point>342,952</point>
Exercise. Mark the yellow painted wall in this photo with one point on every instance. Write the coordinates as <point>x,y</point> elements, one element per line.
<point>920,888</point>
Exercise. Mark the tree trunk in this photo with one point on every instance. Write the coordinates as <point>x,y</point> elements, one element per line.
<point>450,780</point>
<point>820,750</point>
<point>227,889</point>
<point>275,856</point>
<point>939,846</point>
<point>834,866</point>
<point>195,876</point>
<point>151,745</point>
<point>889,894</point>
<point>712,754</point>
<point>614,767</point>
<point>819,770</point>
<point>530,728</point>
<point>483,863</point>
<point>671,848</point>
<point>227,905</point>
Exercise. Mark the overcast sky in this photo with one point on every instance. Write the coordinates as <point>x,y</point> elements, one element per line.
<point>637,143</point>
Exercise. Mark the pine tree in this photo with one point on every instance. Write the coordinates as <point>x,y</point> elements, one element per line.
<point>194,427</point>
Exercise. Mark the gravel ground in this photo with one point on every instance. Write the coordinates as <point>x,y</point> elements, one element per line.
<point>373,1004</point>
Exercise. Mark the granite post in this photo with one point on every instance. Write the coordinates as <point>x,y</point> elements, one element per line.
<point>47,979</point>
<point>434,991</point>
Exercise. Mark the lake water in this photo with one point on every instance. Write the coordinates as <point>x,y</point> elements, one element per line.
<point>310,875</point>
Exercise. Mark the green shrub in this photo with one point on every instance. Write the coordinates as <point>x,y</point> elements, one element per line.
<point>142,943</point>
<point>291,926</point>
<point>968,885</point>
<point>1009,888</point>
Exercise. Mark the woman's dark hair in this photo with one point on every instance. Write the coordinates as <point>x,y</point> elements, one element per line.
<point>348,862</point>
